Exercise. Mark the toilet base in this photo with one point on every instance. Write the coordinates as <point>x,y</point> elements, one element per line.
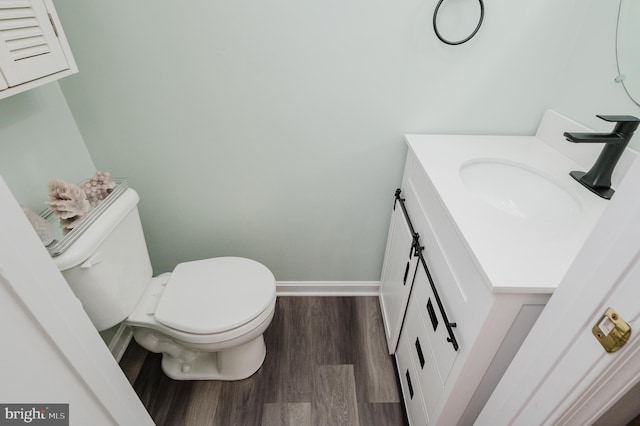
<point>183,363</point>
<point>235,363</point>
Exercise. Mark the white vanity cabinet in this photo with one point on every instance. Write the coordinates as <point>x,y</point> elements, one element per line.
<point>446,378</point>
<point>33,48</point>
<point>498,221</point>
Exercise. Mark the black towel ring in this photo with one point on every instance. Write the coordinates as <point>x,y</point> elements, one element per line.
<point>454,43</point>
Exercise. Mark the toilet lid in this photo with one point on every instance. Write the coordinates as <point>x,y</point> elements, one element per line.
<point>214,295</point>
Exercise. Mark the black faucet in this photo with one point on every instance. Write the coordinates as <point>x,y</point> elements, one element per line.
<point>598,179</point>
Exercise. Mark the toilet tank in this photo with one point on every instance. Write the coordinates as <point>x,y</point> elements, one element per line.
<point>108,266</point>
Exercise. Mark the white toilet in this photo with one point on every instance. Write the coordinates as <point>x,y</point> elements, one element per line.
<point>207,317</point>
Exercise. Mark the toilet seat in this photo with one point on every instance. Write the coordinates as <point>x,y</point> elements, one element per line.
<point>214,295</point>
<point>191,303</point>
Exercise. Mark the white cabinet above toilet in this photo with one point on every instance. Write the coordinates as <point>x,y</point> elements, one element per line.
<point>33,47</point>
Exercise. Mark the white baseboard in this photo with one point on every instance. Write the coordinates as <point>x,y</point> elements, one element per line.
<point>120,341</point>
<point>327,288</point>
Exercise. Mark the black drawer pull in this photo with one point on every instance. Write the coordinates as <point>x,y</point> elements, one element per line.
<point>432,315</point>
<point>406,273</point>
<point>410,386</point>
<point>420,354</point>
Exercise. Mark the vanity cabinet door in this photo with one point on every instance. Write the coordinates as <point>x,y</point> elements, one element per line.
<point>416,334</point>
<point>444,353</point>
<point>435,330</point>
<point>397,277</point>
<point>411,368</point>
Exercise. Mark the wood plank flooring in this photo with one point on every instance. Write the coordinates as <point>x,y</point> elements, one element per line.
<point>326,364</point>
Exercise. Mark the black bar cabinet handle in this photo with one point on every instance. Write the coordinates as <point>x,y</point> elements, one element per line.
<point>432,315</point>
<point>419,351</point>
<point>409,384</point>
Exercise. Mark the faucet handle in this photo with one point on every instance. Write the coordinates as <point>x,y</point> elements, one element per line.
<point>626,124</point>
<point>619,118</point>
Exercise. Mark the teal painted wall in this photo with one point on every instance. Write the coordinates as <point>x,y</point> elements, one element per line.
<point>39,141</point>
<point>273,130</point>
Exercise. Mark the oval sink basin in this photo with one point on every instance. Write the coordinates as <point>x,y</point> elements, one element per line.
<point>519,190</point>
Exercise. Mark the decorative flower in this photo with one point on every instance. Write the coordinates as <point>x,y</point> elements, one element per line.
<point>98,187</point>
<point>67,201</point>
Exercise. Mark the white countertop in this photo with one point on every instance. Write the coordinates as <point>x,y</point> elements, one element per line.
<point>514,253</point>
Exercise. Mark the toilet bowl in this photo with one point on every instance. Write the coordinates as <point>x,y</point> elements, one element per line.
<point>207,317</point>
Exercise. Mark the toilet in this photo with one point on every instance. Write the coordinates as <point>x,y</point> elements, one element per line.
<point>207,317</point>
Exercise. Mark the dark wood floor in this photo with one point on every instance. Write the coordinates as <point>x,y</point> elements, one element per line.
<point>326,364</point>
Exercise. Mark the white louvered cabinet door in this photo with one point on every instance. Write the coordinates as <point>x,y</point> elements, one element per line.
<point>29,46</point>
